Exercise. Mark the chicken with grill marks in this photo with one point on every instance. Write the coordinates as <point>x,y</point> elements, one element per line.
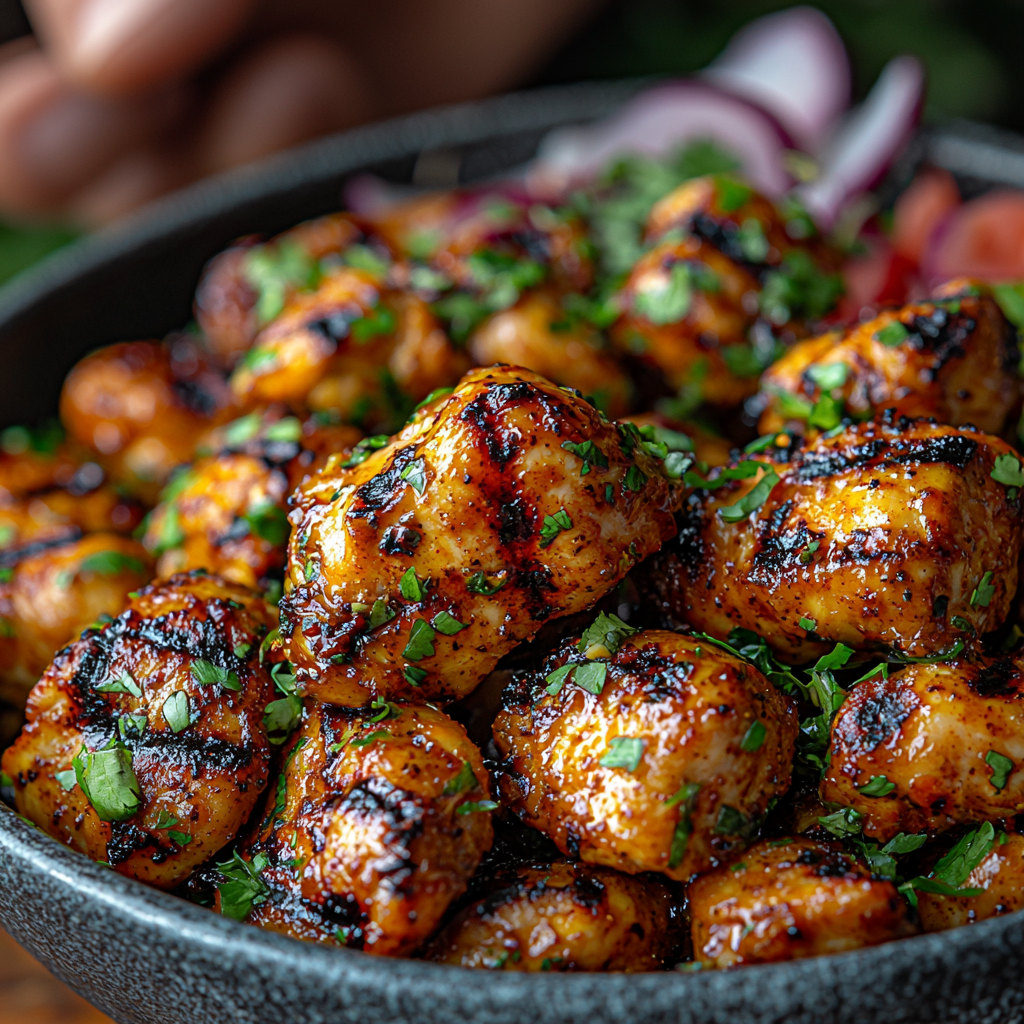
<point>246,286</point>
<point>142,408</point>
<point>413,568</point>
<point>377,824</point>
<point>953,358</point>
<point>646,751</point>
<point>890,535</point>
<point>145,745</point>
<point>564,916</point>
<point>50,590</point>
<point>942,741</point>
<point>1000,874</point>
<point>227,513</point>
<point>790,899</point>
<point>352,347</point>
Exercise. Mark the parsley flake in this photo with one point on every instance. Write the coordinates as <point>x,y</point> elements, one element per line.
<point>176,711</point>
<point>879,785</point>
<point>588,453</point>
<point>123,684</point>
<point>892,334</point>
<point>828,375</point>
<point>479,805</point>
<point>553,526</point>
<point>461,783</point>
<point>478,583</point>
<point>416,475</point>
<point>752,501</point>
<point>808,623</point>
<point>808,552</point>
<point>754,737</point>
<point>380,612</point>
<point>111,563</point>
<point>684,798</point>
<point>623,752</point>
<point>205,673</point>
<point>446,623</point>
<point>591,677</point>
<point>421,641</point>
<point>1007,471</point>
<point>635,479</point>
<point>410,586</point>
<point>983,592</point>
<point>365,741</point>
<point>242,888</point>
<point>608,631</point>
<point>108,781</point>
<point>364,449</point>
<point>1001,767</point>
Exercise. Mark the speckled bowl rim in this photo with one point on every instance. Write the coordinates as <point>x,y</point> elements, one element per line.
<point>141,955</point>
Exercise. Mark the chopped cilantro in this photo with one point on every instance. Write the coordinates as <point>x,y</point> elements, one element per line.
<point>364,449</point>
<point>433,397</point>
<point>381,612</point>
<point>752,241</point>
<point>1007,471</point>
<point>268,522</point>
<point>479,583</point>
<point>808,552</point>
<point>110,563</point>
<point>950,873</point>
<point>892,334</point>
<point>588,453</point>
<point>753,739</point>
<point>280,717</point>
<point>879,785</point>
<point>608,631</point>
<point>365,741</point>
<point>181,838</point>
<point>984,592</point>
<point>828,375</point>
<point>285,430</point>
<point>410,586</point>
<point>731,194</point>
<point>380,320</point>
<point>557,679</point>
<point>108,781</point>
<point>67,780</point>
<point>205,673</point>
<point>826,413</point>
<point>1001,767</point>
<point>684,798</point>
<point>123,684</point>
<point>241,651</point>
<point>552,526</point>
<point>461,783</point>
<point>746,469</point>
<point>635,479</point>
<point>176,711</point>
<point>474,807</point>
<point>731,822</point>
<point>808,623</point>
<point>414,676</point>
<point>669,301</point>
<point>416,475</point>
<point>421,641</point>
<point>242,888</point>
<point>623,752</point>
<point>446,623</point>
<point>842,823</point>
<point>591,676</point>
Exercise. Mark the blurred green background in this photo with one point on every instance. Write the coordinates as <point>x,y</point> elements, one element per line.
<point>971,48</point>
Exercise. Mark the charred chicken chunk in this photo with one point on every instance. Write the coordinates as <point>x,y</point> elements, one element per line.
<point>538,334</point>
<point>378,822</point>
<point>645,751</point>
<point>789,899</point>
<point>144,745</point>
<point>563,917</point>
<point>954,359</point>
<point>1000,877</point>
<point>351,347</point>
<point>942,743</point>
<point>509,503</point>
<point>245,287</point>
<point>142,407</point>
<point>227,513</point>
<point>893,534</point>
<point>51,591</point>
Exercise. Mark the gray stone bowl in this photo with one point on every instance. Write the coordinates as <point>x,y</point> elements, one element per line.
<point>143,956</point>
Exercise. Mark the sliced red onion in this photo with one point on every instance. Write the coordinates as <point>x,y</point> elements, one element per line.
<point>868,140</point>
<point>659,121</point>
<point>795,66</point>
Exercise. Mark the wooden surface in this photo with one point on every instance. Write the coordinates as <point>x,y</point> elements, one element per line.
<point>29,994</point>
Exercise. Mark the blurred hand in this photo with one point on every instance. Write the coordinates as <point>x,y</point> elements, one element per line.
<point>117,101</point>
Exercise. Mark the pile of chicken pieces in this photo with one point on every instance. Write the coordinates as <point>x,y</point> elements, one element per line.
<point>429,602</point>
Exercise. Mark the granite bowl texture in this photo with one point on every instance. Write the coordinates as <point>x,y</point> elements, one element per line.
<point>143,956</point>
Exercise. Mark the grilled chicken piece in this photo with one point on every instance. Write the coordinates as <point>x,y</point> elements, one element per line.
<point>142,408</point>
<point>538,334</point>
<point>954,359</point>
<point>51,590</point>
<point>563,916</point>
<point>144,745</point>
<point>351,347</point>
<point>487,241</point>
<point>1000,874</point>
<point>947,739</point>
<point>891,535</point>
<point>655,752</point>
<point>792,899</point>
<point>379,821</point>
<point>228,512</point>
<point>509,503</point>
<point>246,286</point>
<point>687,311</point>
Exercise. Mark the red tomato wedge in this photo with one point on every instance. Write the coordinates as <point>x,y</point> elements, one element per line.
<point>983,239</point>
<point>928,200</point>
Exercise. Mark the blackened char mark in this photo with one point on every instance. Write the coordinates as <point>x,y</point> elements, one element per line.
<point>384,489</point>
<point>334,326</point>
<point>877,718</point>
<point>195,396</point>
<point>399,540</point>
<point>484,414</point>
<point>588,892</point>
<point>10,557</point>
<point>127,838</point>
<point>943,334</point>
<point>190,749</point>
<point>775,545</point>
<point>1000,679</point>
<point>688,545</point>
<point>949,449</point>
<point>728,240</point>
<point>535,584</point>
<point>515,522</point>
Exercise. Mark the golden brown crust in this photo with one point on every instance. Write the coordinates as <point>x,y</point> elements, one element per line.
<point>790,899</point>
<point>878,537</point>
<point>465,497</point>
<point>200,760</point>
<point>928,730</point>
<point>375,826</point>
<point>563,916</point>
<point>955,360</point>
<point>711,738</point>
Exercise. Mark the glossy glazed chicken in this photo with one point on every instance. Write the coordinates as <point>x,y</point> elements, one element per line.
<point>792,898</point>
<point>539,334</point>
<point>245,287</point>
<point>50,592</point>
<point>954,359</point>
<point>563,916</point>
<point>350,347</point>
<point>504,505</point>
<point>889,535</point>
<point>227,513</point>
<point>141,408</point>
<point>645,751</point>
<point>145,745</point>
<point>376,825</point>
<point>947,737</point>
<point>1000,875</point>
